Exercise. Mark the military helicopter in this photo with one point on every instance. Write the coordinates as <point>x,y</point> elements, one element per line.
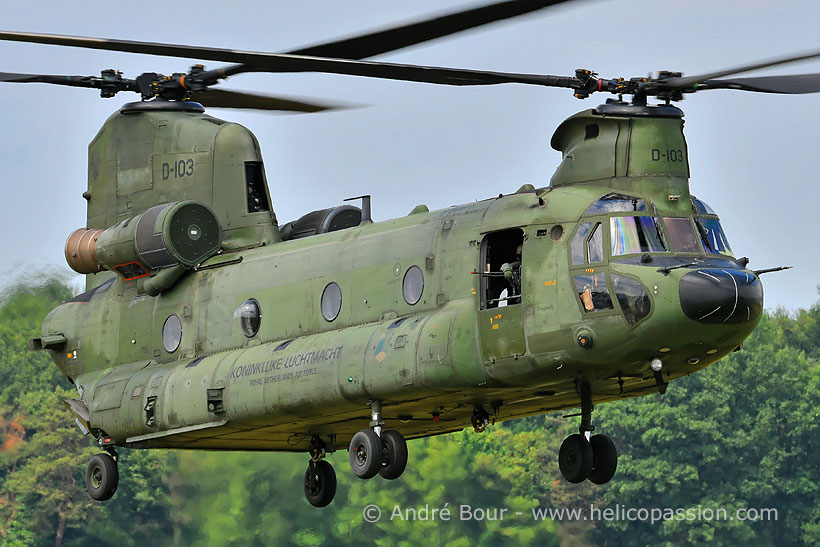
<point>540,300</point>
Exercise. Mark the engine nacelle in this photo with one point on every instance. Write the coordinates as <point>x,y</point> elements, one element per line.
<point>184,233</point>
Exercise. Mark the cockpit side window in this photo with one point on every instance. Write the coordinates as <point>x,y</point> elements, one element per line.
<point>587,245</point>
<point>578,245</point>
<point>595,245</point>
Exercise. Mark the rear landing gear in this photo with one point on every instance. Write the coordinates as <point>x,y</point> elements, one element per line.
<point>320,483</point>
<point>102,476</point>
<point>320,478</point>
<point>582,457</point>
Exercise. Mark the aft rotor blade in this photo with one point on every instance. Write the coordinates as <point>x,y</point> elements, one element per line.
<point>74,81</point>
<point>226,98</point>
<point>281,62</point>
<point>793,84</point>
<point>689,81</point>
<point>384,41</point>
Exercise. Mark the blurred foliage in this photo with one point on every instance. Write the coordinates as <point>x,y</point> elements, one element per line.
<point>741,434</point>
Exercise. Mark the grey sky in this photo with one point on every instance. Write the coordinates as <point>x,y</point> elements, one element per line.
<point>751,155</point>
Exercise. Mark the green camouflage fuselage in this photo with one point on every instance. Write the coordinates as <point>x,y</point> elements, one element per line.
<point>430,363</point>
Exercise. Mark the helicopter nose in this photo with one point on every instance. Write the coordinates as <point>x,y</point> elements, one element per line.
<point>715,295</point>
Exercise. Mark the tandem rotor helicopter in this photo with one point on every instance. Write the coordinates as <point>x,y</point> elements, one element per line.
<point>208,324</point>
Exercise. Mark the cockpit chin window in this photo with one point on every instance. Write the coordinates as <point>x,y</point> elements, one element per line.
<point>593,292</point>
<point>632,297</point>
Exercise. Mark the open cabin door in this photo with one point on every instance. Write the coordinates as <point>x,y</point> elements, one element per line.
<point>501,315</point>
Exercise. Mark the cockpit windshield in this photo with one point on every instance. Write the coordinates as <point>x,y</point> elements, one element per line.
<point>682,235</point>
<point>711,233</point>
<point>635,235</point>
<point>702,208</point>
<point>714,239</point>
<point>639,233</point>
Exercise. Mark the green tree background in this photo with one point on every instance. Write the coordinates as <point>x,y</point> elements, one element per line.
<point>744,433</point>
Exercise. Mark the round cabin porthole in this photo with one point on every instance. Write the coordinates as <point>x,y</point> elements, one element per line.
<point>249,315</point>
<point>413,285</point>
<point>331,301</point>
<point>171,333</point>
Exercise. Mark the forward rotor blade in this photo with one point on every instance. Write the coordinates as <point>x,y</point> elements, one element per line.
<point>383,41</point>
<point>226,98</point>
<point>689,81</point>
<point>281,62</point>
<point>793,84</point>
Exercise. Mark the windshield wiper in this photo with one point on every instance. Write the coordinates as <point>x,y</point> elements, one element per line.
<point>667,269</point>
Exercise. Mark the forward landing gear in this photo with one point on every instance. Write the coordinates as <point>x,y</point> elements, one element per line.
<point>102,476</point>
<point>582,457</point>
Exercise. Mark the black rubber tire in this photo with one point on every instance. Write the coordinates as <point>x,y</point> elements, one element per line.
<point>365,454</point>
<point>394,455</point>
<point>605,459</point>
<point>575,458</point>
<point>321,490</point>
<point>101,476</point>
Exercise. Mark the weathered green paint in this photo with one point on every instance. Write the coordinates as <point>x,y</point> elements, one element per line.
<point>302,375</point>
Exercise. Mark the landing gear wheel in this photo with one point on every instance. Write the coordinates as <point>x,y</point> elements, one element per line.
<point>394,455</point>
<point>101,476</point>
<point>320,483</point>
<point>605,459</point>
<point>575,458</point>
<point>365,454</point>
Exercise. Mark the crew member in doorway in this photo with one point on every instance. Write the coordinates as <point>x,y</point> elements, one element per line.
<point>512,273</point>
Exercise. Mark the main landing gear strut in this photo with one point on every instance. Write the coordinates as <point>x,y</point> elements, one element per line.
<point>583,457</point>
<point>375,452</point>
<point>372,452</point>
